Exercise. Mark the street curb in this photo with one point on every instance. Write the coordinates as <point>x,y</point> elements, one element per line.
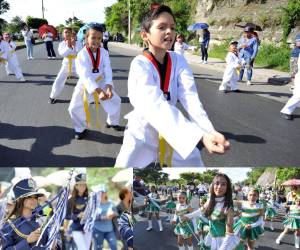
<point>24,46</point>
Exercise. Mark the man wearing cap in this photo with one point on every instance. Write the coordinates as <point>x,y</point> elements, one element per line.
<point>248,48</point>
<point>21,230</point>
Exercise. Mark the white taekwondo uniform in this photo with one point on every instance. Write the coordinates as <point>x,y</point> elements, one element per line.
<point>67,66</point>
<point>89,82</point>
<point>154,115</point>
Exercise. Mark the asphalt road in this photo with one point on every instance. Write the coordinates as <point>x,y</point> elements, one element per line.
<point>37,134</point>
<point>167,240</point>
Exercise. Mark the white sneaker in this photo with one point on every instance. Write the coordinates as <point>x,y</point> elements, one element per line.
<point>31,58</point>
<point>28,58</point>
<point>49,57</point>
<point>272,228</point>
<point>249,83</point>
<point>205,62</point>
<point>22,79</point>
<point>53,57</point>
<point>278,241</point>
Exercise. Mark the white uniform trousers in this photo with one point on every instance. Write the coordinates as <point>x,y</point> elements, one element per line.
<point>12,67</point>
<point>293,102</point>
<point>60,81</point>
<point>82,239</point>
<point>76,109</point>
<point>135,153</point>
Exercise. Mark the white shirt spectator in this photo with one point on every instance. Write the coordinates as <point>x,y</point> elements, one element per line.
<point>48,37</point>
<point>27,34</point>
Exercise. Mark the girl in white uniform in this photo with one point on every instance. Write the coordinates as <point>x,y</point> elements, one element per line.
<point>68,49</point>
<point>153,207</point>
<point>157,80</point>
<point>231,73</point>
<point>180,46</point>
<point>293,102</point>
<point>94,85</point>
<point>13,66</point>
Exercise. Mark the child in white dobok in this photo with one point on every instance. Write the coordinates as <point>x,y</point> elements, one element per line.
<point>231,73</point>
<point>157,80</point>
<point>68,49</point>
<point>12,65</point>
<point>94,85</point>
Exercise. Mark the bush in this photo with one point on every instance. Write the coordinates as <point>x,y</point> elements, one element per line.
<point>291,14</point>
<point>268,55</point>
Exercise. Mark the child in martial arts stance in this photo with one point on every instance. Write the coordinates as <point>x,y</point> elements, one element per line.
<point>291,105</point>
<point>153,207</point>
<point>184,229</point>
<point>95,81</point>
<point>68,49</point>
<point>231,73</point>
<point>157,80</point>
<point>12,66</point>
<point>249,226</point>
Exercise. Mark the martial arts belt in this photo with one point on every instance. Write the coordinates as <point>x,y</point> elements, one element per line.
<point>164,147</point>
<point>70,63</point>
<point>86,104</point>
<point>164,85</point>
<point>2,60</point>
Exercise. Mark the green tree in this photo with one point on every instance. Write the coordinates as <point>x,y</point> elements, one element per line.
<point>152,175</point>
<point>253,175</point>
<point>4,6</point>
<point>291,15</point>
<point>74,23</point>
<point>16,25</point>
<point>34,22</point>
<point>284,174</point>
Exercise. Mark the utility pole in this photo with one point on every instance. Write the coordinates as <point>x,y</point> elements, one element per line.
<point>43,9</point>
<point>129,23</point>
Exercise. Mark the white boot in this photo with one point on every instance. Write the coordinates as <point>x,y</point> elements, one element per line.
<point>168,217</point>
<point>249,83</point>
<point>181,247</point>
<point>297,241</point>
<point>149,225</point>
<point>271,226</point>
<point>160,225</point>
<point>190,247</point>
<point>280,237</point>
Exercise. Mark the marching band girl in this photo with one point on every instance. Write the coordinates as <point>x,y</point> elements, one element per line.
<point>75,211</point>
<point>153,208</point>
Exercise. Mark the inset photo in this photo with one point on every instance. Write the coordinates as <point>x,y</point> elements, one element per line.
<point>66,209</point>
<point>216,208</point>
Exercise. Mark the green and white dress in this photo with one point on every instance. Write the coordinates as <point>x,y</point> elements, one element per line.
<point>183,228</point>
<point>216,227</point>
<point>293,219</point>
<point>251,214</point>
<point>153,203</point>
<point>170,203</point>
<point>271,209</point>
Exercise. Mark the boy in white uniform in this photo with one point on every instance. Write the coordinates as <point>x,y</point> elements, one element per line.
<point>94,84</point>
<point>231,73</point>
<point>293,102</point>
<point>68,49</point>
<point>13,66</point>
<point>155,113</point>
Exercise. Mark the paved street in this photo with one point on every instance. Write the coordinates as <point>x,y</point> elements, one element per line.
<point>166,240</point>
<point>34,133</point>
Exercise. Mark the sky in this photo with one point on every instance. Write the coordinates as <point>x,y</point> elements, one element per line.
<point>57,11</point>
<point>235,174</point>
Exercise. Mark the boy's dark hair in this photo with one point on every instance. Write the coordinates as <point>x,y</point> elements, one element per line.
<point>153,15</point>
<point>228,203</point>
